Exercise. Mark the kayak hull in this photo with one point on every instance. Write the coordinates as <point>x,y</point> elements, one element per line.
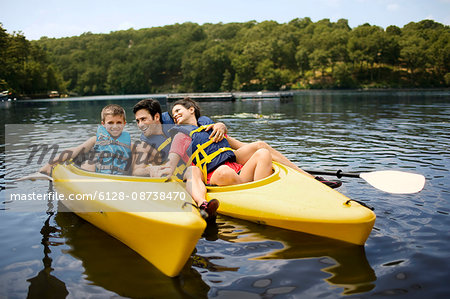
<point>291,200</point>
<point>163,230</point>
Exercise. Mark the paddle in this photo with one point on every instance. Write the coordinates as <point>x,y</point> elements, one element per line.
<point>391,181</point>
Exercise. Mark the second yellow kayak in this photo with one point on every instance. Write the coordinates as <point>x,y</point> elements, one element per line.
<point>295,201</point>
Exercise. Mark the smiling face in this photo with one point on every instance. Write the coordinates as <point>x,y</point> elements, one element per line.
<point>114,124</point>
<point>182,115</point>
<point>146,123</point>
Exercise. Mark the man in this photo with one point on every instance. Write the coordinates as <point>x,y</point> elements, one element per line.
<point>155,139</point>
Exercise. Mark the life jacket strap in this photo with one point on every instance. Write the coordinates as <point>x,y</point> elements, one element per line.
<point>196,155</point>
<point>206,159</point>
<point>104,142</point>
<point>164,144</point>
<point>199,129</point>
<point>179,170</point>
<point>201,157</point>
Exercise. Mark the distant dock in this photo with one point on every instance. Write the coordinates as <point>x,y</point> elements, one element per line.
<point>232,96</point>
<point>202,97</point>
<point>264,95</point>
<point>172,97</point>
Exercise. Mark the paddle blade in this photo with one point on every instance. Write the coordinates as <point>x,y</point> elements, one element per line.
<point>35,176</point>
<point>393,181</point>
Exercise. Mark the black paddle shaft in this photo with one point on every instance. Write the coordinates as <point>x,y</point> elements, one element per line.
<point>339,174</point>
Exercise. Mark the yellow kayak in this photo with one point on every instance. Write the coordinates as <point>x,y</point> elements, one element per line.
<point>295,201</point>
<point>153,217</point>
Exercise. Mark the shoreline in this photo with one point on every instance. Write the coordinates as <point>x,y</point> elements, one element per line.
<point>226,96</point>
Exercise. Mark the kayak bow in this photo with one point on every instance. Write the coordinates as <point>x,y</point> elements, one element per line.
<point>163,231</point>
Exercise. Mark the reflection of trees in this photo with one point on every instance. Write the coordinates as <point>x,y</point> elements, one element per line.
<point>45,285</point>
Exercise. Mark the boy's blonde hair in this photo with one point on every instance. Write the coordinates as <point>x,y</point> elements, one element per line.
<point>113,109</point>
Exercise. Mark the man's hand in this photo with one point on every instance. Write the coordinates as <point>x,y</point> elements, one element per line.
<point>159,171</point>
<point>219,131</point>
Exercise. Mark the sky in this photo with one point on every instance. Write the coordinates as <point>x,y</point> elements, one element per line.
<point>62,18</point>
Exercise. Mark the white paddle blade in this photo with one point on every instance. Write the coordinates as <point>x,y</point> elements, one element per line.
<point>393,181</point>
<point>35,176</point>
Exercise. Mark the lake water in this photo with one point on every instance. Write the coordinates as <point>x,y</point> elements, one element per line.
<point>48,253</point>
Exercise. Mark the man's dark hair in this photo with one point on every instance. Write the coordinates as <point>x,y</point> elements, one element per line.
<point>151,105</point>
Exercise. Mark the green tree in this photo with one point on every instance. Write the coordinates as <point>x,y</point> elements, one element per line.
<point>227,84</point>
<point>239,56</point>
<point>269,75</point>
<point>25,66</point>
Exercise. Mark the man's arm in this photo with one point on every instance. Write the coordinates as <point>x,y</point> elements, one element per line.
<point>169,167</point>
<point>143,157</point>
<point>178,151</point>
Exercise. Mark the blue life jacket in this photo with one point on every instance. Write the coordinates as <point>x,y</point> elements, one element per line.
<point>162,143</point>
<point>113,156</point>
<point>168,122</point>
<point>203,152</point>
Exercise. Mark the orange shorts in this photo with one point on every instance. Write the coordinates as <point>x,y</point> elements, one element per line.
<point>233,165</point>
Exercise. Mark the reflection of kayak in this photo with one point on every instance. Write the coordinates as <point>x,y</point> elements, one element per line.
<point>347,263</point>
<point>294,201</point>
<point>146,214</point>
<point>121,270</point>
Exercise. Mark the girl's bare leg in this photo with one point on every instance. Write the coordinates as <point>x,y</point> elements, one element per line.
<point>225,176</point>
<point>259,166</point>
<point>195,185</point>
<point>251,148</point>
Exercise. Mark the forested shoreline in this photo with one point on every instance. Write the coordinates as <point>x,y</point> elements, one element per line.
<point>188,57</point>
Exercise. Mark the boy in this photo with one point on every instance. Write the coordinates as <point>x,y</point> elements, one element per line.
<point>112,146</point>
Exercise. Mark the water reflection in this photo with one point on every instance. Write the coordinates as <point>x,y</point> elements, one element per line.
<point>110,264</point>
<point>232,254</point>
<point>45,285</point>
<point>240,242</point>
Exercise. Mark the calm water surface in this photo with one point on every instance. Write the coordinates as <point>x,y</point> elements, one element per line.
<point>47,252</point>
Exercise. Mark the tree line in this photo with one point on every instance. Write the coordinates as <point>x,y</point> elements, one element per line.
<point>188,57</point>
<point>25,67</point>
